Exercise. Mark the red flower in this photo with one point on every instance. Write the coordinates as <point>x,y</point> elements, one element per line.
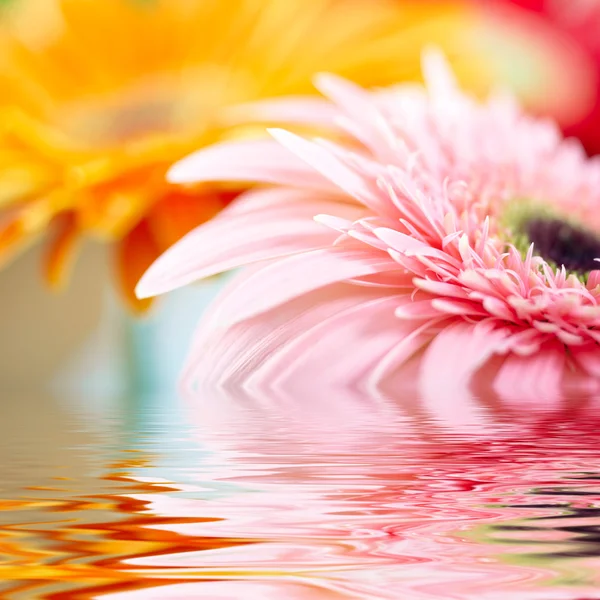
<point>579,21</point>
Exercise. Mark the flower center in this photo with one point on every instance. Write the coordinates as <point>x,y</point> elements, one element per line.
<point>563,243</point>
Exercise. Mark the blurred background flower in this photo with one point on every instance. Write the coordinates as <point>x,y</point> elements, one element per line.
<point>578,21</point>
<point>99,97</point>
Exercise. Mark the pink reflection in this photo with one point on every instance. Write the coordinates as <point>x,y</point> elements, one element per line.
<point>339,494</point>
<point>230,590</point>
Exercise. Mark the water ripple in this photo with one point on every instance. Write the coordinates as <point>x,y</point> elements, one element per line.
<point>341,497</point>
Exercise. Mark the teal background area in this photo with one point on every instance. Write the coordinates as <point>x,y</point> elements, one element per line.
<point>160,341</point>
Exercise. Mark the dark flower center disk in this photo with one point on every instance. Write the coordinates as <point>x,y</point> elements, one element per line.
<point>564,244</point>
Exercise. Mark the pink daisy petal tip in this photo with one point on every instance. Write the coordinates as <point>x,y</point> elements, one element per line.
<point>331,85</point>
<point>437,71</point>
<point>439,231</point>
<point>146,287</point>
<point>182,171</point>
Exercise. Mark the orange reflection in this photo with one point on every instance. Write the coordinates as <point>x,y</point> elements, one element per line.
<point>85,549</point>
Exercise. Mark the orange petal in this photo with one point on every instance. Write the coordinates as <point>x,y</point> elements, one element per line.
<point>180,211</point>
<point>24,223</point>
<point>62,251</point>
<point>110,211</point>
<point>135,253</point>
<point>112,208</point>
<point>11,234</point>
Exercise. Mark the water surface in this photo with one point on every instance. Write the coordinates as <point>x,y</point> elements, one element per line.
<point>339,496</point>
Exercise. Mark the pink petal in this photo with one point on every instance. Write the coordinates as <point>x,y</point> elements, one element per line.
<point>356,101</point>
<point>295,275</point>
<point>228,354</point>
<point>366,121</point>
<point>570,339</point>
<point>448,365</point>
<point>526,342</point>
<point>417,310</point>
<point>498,308</point>
<point>457,352</point>
<point>325,163</point>
<point>534,379</point>
<point>386,280</point>
<point>230,590</point>
<point>263,161</point>
<point>440,288</point>
<point>366,237</point>
<point>212,326</point>
<point>243,234</point>
<point>452,306</point>
<point>412,341</point>
<point>545,326</point>
<point>341,350</point>
<point>438,75</point>
<point>588,358</point>
<point>593,279</point>
<point>400,241</point>
<point>335,223</point>
<point>408,245</point>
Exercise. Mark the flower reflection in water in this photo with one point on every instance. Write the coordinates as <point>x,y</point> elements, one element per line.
<point>361,497</point>
<point>337,494</point>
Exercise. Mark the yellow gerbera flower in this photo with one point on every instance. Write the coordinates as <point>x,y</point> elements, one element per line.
<point>99,97</point>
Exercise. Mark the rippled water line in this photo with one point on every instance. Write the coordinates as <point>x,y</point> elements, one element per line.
<point>253,501</point>
<point>523,450</point>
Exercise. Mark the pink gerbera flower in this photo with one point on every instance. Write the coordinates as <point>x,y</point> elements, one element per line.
<point>442,235</point>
